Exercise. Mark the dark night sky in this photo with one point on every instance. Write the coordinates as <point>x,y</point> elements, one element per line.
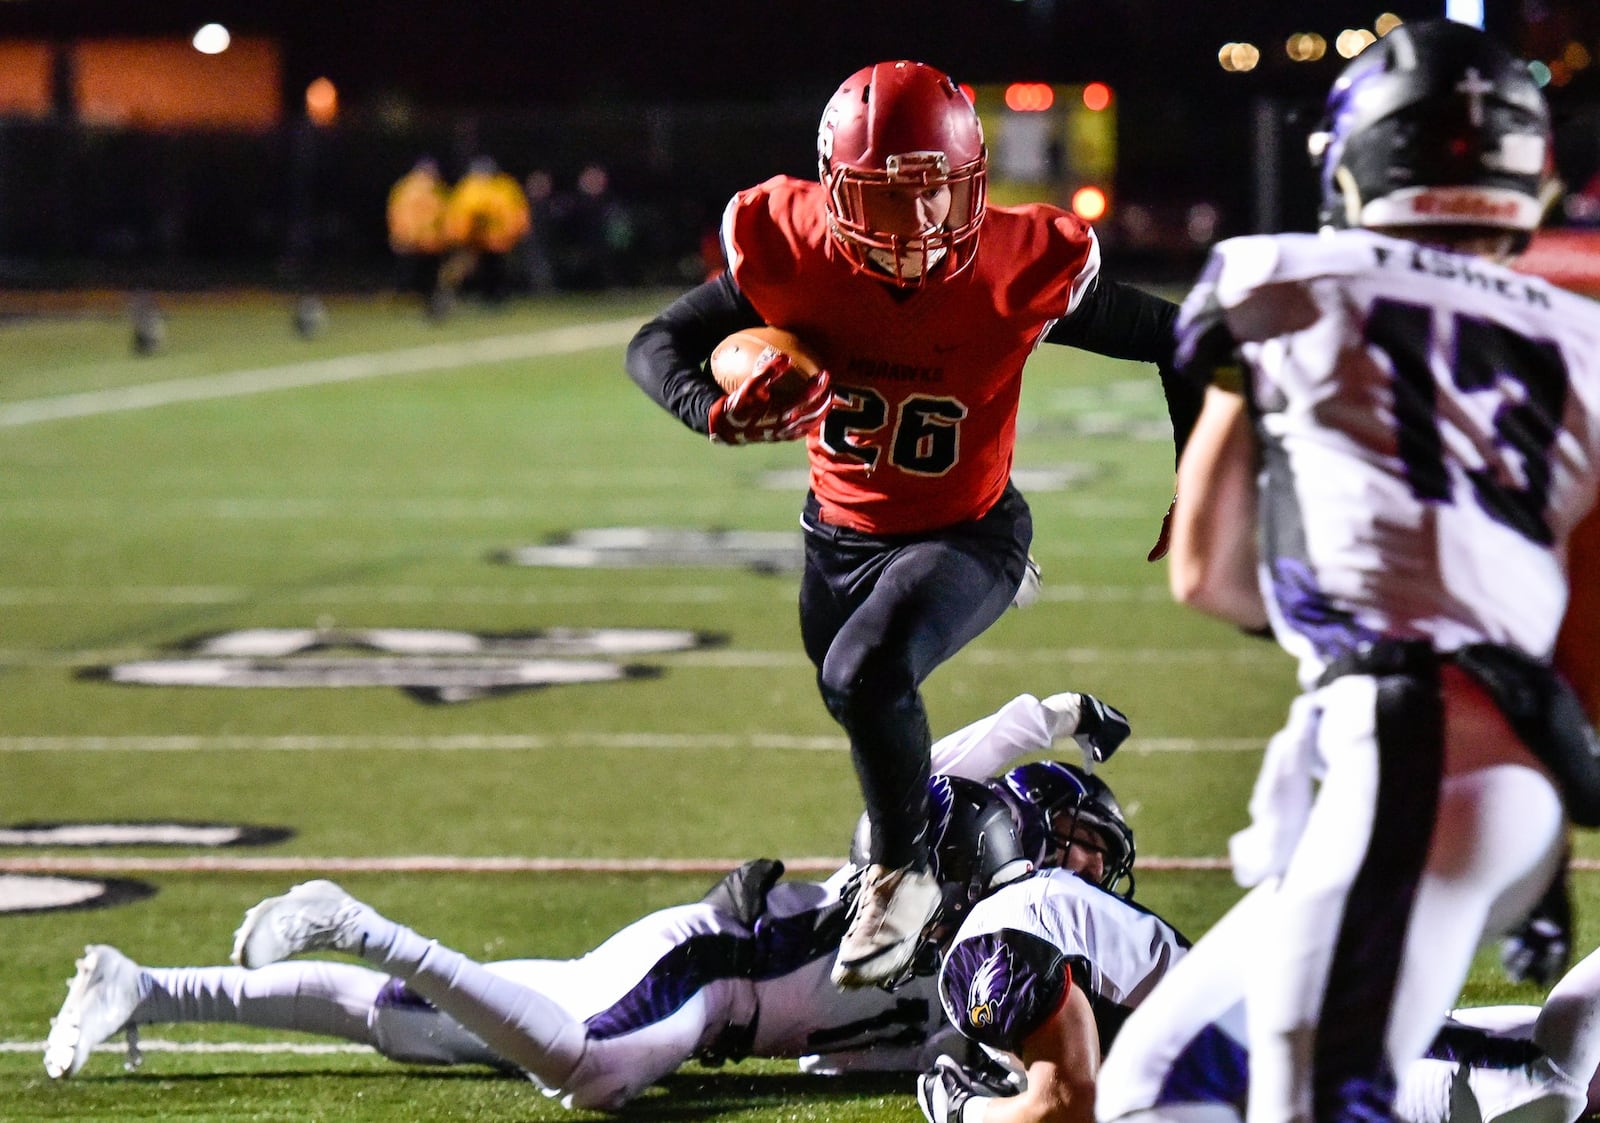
<point>1177,107</point>
<point>456,53</point>
<point>1186,129</point>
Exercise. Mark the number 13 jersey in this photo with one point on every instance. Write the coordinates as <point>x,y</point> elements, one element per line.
<point>1430,429</point>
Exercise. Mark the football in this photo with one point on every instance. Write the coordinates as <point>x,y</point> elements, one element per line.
<point>734,358</point>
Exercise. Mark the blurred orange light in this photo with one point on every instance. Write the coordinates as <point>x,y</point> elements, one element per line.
<point>1239,58</point>
<point>1353,40</point>
<point>1029,97</point>
<point>1096,96</point>
<point>972,94</point>
<point>322,102</point>
<point>1089,203</point>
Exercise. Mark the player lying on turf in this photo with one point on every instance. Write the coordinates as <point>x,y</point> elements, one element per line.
<point>680,983</point>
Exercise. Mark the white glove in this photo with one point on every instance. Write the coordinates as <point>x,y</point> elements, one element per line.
<point>944,1093</point>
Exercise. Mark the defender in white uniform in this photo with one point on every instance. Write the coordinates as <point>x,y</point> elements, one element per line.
<point>1414,429</point>
<point>742,973</point>
<point>1008,980</point>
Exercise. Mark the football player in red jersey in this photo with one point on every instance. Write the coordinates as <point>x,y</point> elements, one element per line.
<point>923,303</point>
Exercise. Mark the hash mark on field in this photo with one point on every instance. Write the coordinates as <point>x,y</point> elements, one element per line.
<point>319,372</point>
<point>519,742</point>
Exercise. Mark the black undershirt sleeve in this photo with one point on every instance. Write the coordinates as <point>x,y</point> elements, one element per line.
<point>667,356</point>
<point>1127,323</point>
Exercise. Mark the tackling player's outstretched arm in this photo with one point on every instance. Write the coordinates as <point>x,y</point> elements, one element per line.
<point>1062,1060</point>
<point>1026,725</point>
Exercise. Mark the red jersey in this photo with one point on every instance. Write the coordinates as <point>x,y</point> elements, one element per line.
<point>926,380</point>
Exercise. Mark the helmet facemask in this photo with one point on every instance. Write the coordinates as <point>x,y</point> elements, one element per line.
<point>906,259</point>
<point>902,128</point>
<point>1050,800</point>
<point>1113,840</point>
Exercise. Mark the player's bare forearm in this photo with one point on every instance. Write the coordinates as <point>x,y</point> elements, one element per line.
<point>1063,1062</point>
<point>1212,563</point>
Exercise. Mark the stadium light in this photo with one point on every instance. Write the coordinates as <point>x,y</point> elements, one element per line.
<point>1352,41</point>
<point>1465,11</point>
<point>1029,97</point>
<point>212,39</point>
<point>1307,46</point>
<point>322,102</point>
<point>1089,203</point>
<point>1096,96</point>
<point>1239,58</point>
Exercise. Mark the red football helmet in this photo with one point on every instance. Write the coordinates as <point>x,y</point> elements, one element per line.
<point>902,125</point>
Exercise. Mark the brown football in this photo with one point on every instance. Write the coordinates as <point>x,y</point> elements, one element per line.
<point>735,357</point>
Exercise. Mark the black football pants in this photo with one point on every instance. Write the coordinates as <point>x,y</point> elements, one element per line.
<point>877,615</point>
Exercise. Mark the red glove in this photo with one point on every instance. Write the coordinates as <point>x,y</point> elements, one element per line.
<point>776,403</point>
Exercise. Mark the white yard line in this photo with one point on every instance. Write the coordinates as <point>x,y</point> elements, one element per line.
<point>259,1048</point>
<point>319,372</point>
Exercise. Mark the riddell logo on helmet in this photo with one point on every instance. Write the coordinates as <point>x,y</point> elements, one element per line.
<point>1465,206</point>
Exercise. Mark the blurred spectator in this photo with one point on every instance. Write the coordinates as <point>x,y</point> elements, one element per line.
<point>485,218</point>
<point>416,229</point>
<point>598,233</point>
<point>535,270</point>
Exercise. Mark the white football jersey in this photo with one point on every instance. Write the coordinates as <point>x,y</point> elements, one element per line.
<point>1430,431</point>
<point>1020,948</point>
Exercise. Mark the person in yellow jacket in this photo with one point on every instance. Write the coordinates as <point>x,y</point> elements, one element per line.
<point>416,213</point>
<point>486,216</point>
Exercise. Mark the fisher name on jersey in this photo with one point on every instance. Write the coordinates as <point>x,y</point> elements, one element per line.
<point>1021,949</point>
<point>926,384</point>
<point>1425,448</point>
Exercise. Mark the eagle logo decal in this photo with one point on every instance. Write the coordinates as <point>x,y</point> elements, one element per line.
<point>989,988</point>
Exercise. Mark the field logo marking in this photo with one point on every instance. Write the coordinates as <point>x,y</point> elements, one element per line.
<point>27,894</point>
<point>432,665</point>
<point>152,833</point>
